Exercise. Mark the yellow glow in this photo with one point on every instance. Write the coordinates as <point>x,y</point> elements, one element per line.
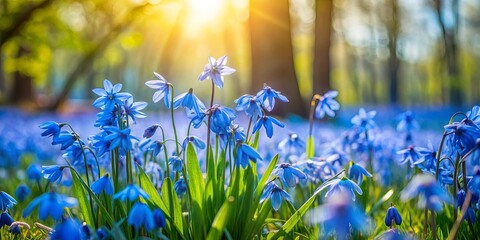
<point>204,12</point>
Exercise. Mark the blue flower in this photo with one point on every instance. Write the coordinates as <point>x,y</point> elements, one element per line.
<point>141,215</point>
<point>221,119</point>
<point>51,128</point>
<point>159,218</point>
<point>428,160</point>
<point>180,187</point>
<point>276,195</point>
<point>461,136</point>
<point>431,194</point>
<point>34,172</point>
<point>132,109</point>
<point>474,115</point>
<point>101,233</point>
<point>68,229</point>
<point>393,216</point>
<point>267,122</point>
<point>292,145</point>
<point>100,144</point>
<point>156,147</point>
<point>250,105</point>
<point>103,184</point>
<point>410,154</point>
<point>22,192</point>
<point>393,234</point>
<point>215,70</point>
<point>289,173</point>
<point>343,185</point>
<point>474,183</point>
<point>131,192</point>
<point>162,88</point>
<point>470,214</point>
<point>357,172</point>
<point>53,173</point>
<point>246,153</point>
<point>364,120</point>
<point>119,138</point>
<point>5,219</point>
<point>107,118</point>
<point>148,133</point>
<point>176,163</point>
<point>327,105</point>
<point>65,139</point>
<point>197,142</point>
<point>50,204</point>
<point>268,95</point>
<point>109,96</point>
<point>189,101</point>
<point>407,123</point>
<point>6,201</point>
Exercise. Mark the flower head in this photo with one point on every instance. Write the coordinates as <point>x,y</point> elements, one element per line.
<point>69,228</point>
<point>141,215</point>
<point>159,218</point>
<point>343,185</point>
<point>357,172</point>
<point>327,105</point>
<point>189,101</point>
<point>364,120</point>
<point>267,97</point>
<point>34,172</point>
<point>246,153</point>
<point>393,216</point>
<point>53,173</point>
<point>276,194</point>
<point>109,96</point>
<point>103,184</point>
<point>410,155</point>
<point>133,109</point>
<point>120,138</point>
<point>250,104</point>
<point>462,137</point>
<point>65,139</point>
<point>267,122</point>
<point>196,141</point>
<point>50,204</point>
<point>22,192</point>
<point>51,128</point>
<point>6,201</point>
<point>131,192</point>
<point>215,70</point>
<point>430,193</point>
<point>162,88</point>
<point>288,174</point>
<point>148,133</point>
<point>176,162</point>
<point>180,187</point>
<point>292,145</point>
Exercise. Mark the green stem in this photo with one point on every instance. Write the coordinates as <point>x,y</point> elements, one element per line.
<point>455,184</point>
<point>173,121</point>
<point>209,119</point>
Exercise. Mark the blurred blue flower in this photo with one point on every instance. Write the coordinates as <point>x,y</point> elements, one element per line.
<point>51,128</point>
<point>53,173</point>
<point>148,133</point>
<point>189,101</point>
<point>103,184</point>
<point>162,88</point>
<point>133,109</point>
<point>470,214</point>
<point>289,173</point>
<point>131,192</point>
<point>409,155</point>
<point>474,183</point>
<point>474,115</point>
<point>5,219</point>
<point>393,234</point>
<point>101,233</point>
<point>430,193</point>
<point>197,142</point>
<point>65,139</point>
<point>159,218</point>
<point>141,215</point>
<point>461,137</point>
<point>250,105</point>
<point>245,153</point>
<point>69,228</point>
<point>343,185</point>
<point>176,163</point>
<point>180,187</point>
<point>155,172</point>
<point>393,216</point>
<point>22,192</point>
<point>109,96</point>
<point>357,172</point>
<point>292,145</point>
<point>407,123</point>
<point>156,146</point>
<point>267,97</point>
<point>215,70</point>
<point>364,120</point>
<point>428,160</point>
<point>327,105</point>
<point>50,204</point>
<point>6,201</point>
<point>276,195</point>
<point>34,172</point>
<point>119,138</point>
<point>267,122</point>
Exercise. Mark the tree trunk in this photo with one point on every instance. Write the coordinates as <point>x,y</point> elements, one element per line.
<point>323,32</point>
<point>23,90</point>
<point>393,61</point>
<point>272,53</point>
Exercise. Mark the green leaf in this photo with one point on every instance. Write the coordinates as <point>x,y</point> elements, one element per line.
<point>147,185</point>
<point>221,219</point>
<point>83,203</point>
<point>170,199</point>
<point>310,147</point>
<point>197,189</point>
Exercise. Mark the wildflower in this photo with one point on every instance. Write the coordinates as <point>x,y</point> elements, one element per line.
<point>407,123</point>
<point>393,216</point>
<point>410,154</point>
<point>140,215</point>
<point>246,153</point>
<point>107,118</point>
<point>364,120</point>
<point>86,230</point>
<point>101,233</point>
<point>393,234</point>
<point>156,147</point>
<point>119,138</point>
<point>180,187</point>
<point>189,101</point>
<point>51,128</point>
<point>268,95</point>
<point>100,144</point>
<point>7,220</point>
<point>215,70</point>
<point>197,142</point>
<point>22,192</point>
<point>34,172</point>
<point>53,173</point>
<point>289,173</point>
<point>470,213</point>
<point>276,195</point>
<point>267,122</point>
<point>6,201</point>
<point>357,172</point>
<point>109,96</point>
<point>69,228</point>
<point>474,183</point>
<point>292,145</point>
<point>461,137</point>
<point>431,194</point>
<point>327,105</point>
<point>50,204</point>
<point>159,218</point>
<point>221,119</point>
<point>474,115</point>
<point>65,139</point>
<point>150,131</point>
<point>250,105</point>
<point>176,163</point>
<point>428,160</point>
<point>133,109</point>
<point>103,184</point>
<point>131,192</point>
<point>342,185</point>
<point>162,88</point>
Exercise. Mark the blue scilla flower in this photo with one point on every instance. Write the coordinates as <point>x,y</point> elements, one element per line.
<point>288,174</point>
<point>327,105</point>
<point>120,138</point>
<point>470,214</point>
<point>356,172</point>
<point>393,216</point>
<point>180,187</point>
<point>342,185</point>
<point>431,194</point>
<point>292,145</point>
<point>103,184</point>
<point>141,215</point>
<point>364,120</point>
<point>409,155</point>
<point>101,233</point>
<point>100,144</point>
<point>131,192</point>
<point>221,119</point>
<point>461,136</point>
<point>53,173</point>
<point>34,172</point>
<point>159,218</point>
<point>150,131</point>
<point>22,192</point>
<point>5,219</point>
<point>176,163</point>
<point>249,104</point>
<point>393,234</point>
<point>110,95</point>
<point>156,147</point>
<point>51,128</point>
<point>65,139</point>
<point>6,201</point>
<point>107,118</point>
<point>428,160</point>
<point>133,109</point>
<point>474,115</point>
<point>196,141</point>
<point>162,88</point>
<point>267,97</point>
<point>189,101</point>
<point>474,183</point>
<point>267,122</point>
<point>215,70</point>
<point>245,153</point>
<point>276,195</point>
<point>69,228</point>
<point>407,123</point>
<point>155,172</point>
<point>50,204</point>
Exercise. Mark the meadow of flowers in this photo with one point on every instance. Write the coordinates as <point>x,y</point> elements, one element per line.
<point>213,172</point>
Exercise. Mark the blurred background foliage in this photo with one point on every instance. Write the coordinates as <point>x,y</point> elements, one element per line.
<point>395,52</point>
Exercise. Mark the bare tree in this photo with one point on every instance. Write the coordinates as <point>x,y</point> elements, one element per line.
<point>323,33</point>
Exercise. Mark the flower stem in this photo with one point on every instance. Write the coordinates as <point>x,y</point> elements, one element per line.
<point>173,121</point>
<point>209,119</point>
